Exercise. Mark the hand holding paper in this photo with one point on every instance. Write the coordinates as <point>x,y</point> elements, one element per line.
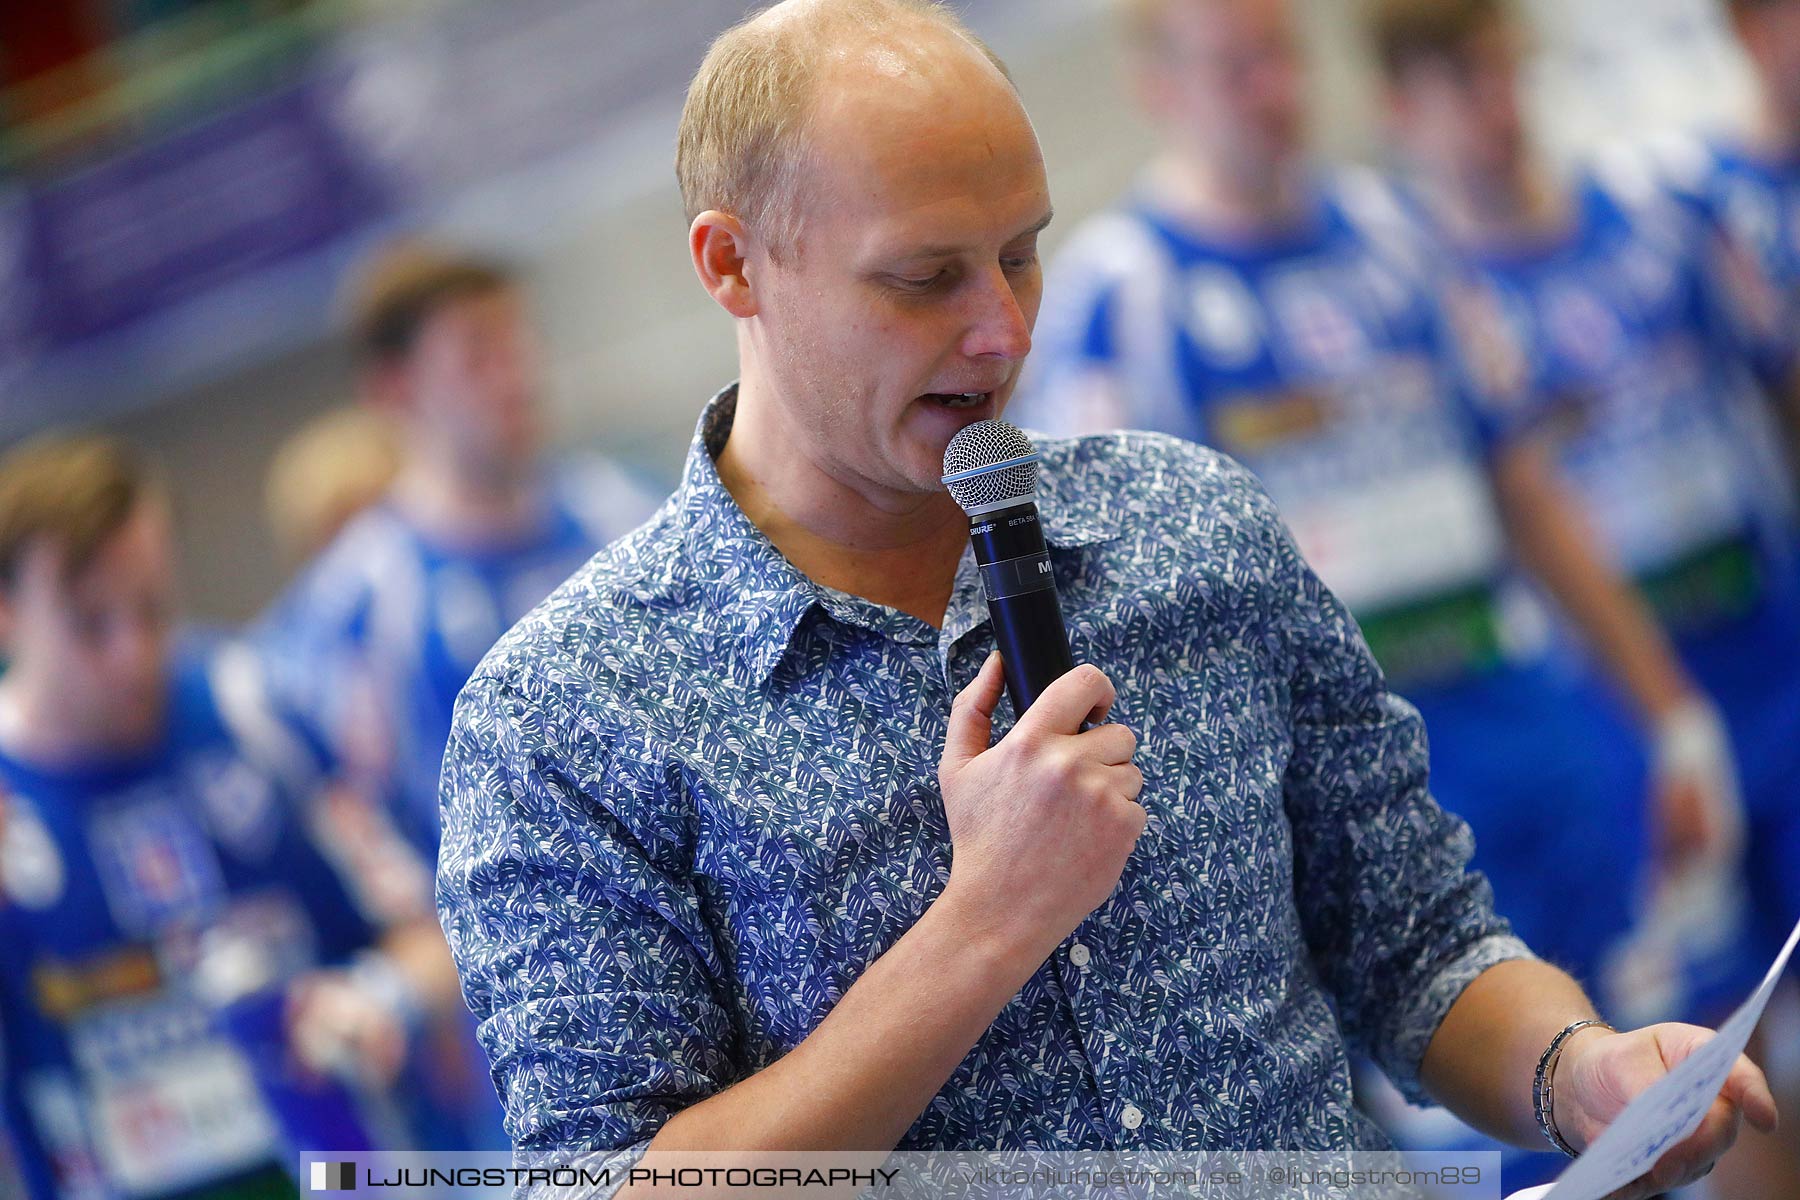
<point>1666,1101</point>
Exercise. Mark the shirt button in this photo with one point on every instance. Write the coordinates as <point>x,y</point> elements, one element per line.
<point>1079,955</point>
<point>1132,1117</point>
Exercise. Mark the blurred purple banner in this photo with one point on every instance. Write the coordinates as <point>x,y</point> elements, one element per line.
<point>381,123</point>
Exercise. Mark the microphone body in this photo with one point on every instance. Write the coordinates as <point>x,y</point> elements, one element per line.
<point>1021,596</point>
<point>991,470</point>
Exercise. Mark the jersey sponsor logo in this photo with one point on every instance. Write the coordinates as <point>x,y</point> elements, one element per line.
<point>1247,425</point>
<point>182,1119</point>
<point>1316,323</point>
<point>63,989</point>
<point>1223,318</point>
<point>119,1037</point>
<point>154,863</point>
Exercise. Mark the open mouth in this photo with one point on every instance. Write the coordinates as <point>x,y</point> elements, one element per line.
<point>958,399</point>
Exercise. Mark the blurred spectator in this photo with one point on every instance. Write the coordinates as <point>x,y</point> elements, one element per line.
<point>335,466</point>
<point>168,896</point>
<point>380,633</point>
<point>1760,182</point>
<point>1242,297</point>
<point>1749,186</point>
<point>1639,379</point>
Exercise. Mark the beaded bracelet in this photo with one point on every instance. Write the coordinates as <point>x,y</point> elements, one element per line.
<point>1543,1086</point>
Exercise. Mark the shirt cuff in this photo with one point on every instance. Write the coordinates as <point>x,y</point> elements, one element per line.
<point>1415,1025</point>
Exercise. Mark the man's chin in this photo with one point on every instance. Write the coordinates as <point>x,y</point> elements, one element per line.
<point>128,728</point>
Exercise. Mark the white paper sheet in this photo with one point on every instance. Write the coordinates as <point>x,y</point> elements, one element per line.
<point>1667,1111</point>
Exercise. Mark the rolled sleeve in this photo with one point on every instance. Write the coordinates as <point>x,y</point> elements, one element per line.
<point>582,953</point>
<point>1395,922</point>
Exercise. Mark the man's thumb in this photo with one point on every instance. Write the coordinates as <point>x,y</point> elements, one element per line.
<point>972,715</point>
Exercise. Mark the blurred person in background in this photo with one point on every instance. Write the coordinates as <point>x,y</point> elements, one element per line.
<point>1245,297</point>
<point>332,468</point>
<point>197,981</point>
<point>1639,371</point>
<point>1751,183</point>
<point>379,633</point>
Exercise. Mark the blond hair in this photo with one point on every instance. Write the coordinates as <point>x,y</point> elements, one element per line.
<point>74,491</point>
<point>741,149</point>
<point>332,468</point>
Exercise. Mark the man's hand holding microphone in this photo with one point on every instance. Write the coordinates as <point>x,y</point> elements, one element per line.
<point>1042,822</point>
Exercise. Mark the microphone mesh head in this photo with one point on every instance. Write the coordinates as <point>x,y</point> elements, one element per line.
<point>986,444</point>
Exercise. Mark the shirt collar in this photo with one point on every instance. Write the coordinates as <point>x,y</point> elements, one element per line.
<point>760,597</point>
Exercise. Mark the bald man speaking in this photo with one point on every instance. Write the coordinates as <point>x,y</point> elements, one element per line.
<point>741,849</point>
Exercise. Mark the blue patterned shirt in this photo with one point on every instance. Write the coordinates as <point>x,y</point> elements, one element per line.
<point>693,796</point>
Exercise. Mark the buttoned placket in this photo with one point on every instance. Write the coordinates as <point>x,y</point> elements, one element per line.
<point>1068,971</point>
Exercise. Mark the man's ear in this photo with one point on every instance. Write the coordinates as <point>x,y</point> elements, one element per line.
<point>720,250</point>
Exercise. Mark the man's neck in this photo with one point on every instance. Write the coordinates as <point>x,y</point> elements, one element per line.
<point>32,732</point>
<point>1522,203</point>
<point>452,509</point>
<point>1241,205</point>
<point>1775,134</point>
<point>893,548</point>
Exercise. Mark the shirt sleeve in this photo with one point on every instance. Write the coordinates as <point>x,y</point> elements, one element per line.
<point>563,890</point>
<point>1396,924</point>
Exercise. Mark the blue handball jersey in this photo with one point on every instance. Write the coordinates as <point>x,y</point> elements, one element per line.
<point>376,638</point>
<point>1641,366</point>
<point>143,903</point>
<point>1644,367</point>
<point>1321,360</point>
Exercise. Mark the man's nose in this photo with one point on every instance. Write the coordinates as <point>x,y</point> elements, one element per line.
<point>999,327</point>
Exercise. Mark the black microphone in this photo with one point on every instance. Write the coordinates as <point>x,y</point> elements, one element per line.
<point>991,470</point>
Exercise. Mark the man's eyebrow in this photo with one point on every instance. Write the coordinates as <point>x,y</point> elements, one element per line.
<point>1038,226</point>
<point>947,251</point>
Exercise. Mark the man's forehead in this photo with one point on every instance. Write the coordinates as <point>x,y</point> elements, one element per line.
<point>965,199</point>
<point>906,137</point>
